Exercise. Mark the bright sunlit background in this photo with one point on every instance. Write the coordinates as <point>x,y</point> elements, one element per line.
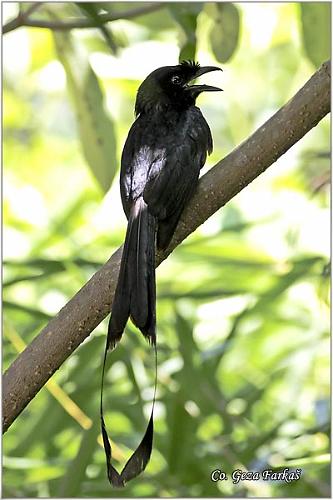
<point>243,304</point>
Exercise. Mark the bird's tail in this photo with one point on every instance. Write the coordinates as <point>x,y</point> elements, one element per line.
<point>135,296</point>
<point>135,293</point>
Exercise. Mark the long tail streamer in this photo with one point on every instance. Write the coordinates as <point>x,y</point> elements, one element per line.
<point>140,457</point>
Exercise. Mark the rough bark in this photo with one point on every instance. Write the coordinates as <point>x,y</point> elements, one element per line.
<point>78,318</point>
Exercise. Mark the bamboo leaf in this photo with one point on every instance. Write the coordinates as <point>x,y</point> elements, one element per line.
<point>71,481</point>
<point>94,124</point>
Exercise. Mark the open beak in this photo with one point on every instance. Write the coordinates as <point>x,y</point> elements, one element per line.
<point>205,88</point>
<point>206,69</point>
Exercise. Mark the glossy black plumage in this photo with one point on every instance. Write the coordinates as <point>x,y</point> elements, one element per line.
<point>166,147</point>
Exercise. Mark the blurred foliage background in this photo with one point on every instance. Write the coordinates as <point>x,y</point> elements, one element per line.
<point>243,304</point>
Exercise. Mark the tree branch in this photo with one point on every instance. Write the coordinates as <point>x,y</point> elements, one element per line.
<point>24,20</point>
<point>22,17</point>
<point>78,318</point>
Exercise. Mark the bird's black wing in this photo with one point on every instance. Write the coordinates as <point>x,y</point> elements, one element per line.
<point>171,182</point>
<point>143,152</point>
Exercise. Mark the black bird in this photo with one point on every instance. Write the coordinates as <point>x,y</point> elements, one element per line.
<point>166,147</point>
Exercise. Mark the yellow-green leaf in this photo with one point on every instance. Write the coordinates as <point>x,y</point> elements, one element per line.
<point>225,31</point>
<point>316,30</point>
<point>185,14</point>
<point>94,124</point>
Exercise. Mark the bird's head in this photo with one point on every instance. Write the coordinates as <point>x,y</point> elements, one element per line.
<point>168,87</point>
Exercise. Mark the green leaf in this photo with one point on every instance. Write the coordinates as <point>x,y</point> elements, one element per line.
<point>156,23</point>
<point>95,126</point>
<point>25,309</point>
<point>185,14</point>
<point>316,30</point>
<point>91,10</point>
<point>306,461</point>
<point>71,482</point>
<point>44,268</point>
<point>29,463</point>
<point>224,34</point>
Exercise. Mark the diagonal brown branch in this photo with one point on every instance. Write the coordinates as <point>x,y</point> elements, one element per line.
<point>78,318</point>
<point>24,20</point>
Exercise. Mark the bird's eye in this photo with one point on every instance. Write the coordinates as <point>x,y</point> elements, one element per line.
<point>176,80</point>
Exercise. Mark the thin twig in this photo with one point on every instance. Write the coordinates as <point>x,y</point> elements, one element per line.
<point>80,316</point>
<point>22,18</point>
<point>31,9</point>
<point>80,23</point>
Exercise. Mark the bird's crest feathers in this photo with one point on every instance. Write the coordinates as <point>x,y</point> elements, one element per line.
<point>189,63</point>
